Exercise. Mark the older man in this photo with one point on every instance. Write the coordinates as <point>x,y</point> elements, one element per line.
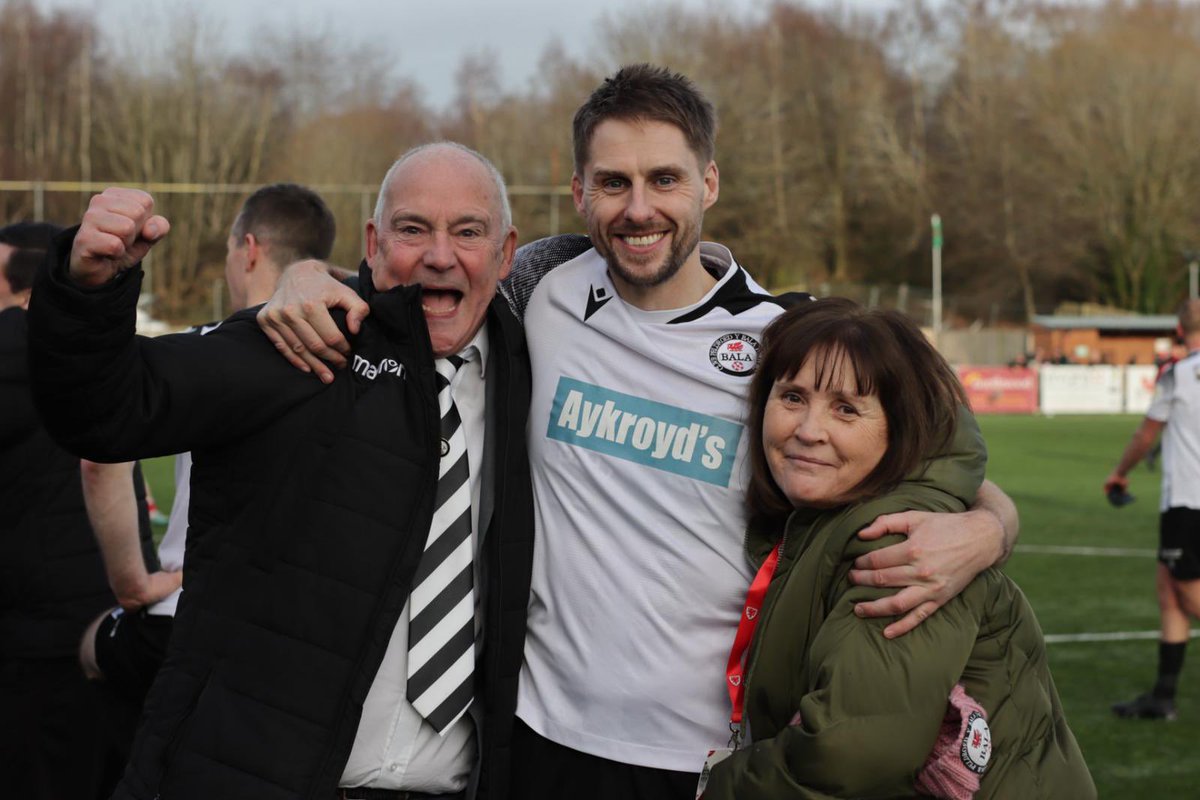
<point>360,555</point>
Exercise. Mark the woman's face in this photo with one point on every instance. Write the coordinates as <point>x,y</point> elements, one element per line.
<point>821,443</point>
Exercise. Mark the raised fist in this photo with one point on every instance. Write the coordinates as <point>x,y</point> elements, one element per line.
<point>118,229</point>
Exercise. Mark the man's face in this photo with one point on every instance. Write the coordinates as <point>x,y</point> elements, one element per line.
<point>235,271</point>
<point>643,194</point>
<point>442,228</point>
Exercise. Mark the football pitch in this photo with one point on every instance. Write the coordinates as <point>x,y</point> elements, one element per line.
<point>1088,570</point>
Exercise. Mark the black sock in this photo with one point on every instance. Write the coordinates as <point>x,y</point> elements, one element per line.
<point>1170,663</point>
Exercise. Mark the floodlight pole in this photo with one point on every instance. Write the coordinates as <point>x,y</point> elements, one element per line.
<point>1194,279</point>
<point>936,222</point>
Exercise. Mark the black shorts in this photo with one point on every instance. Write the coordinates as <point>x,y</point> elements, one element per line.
<point>1179,542</point>
<point>130,647</point>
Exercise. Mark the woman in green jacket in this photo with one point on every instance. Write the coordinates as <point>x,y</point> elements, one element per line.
<point>848,408</point>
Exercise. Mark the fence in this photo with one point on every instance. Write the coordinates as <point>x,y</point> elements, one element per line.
<point>538,208</point>
<point>1060,389</point>
<point>364,192</point>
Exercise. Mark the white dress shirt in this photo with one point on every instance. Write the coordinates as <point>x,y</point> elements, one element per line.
<point>395,748</point>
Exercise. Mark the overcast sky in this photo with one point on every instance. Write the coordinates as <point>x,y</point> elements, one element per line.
<point>430,37</point>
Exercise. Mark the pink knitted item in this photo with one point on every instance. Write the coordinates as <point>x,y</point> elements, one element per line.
<point>961,753</point>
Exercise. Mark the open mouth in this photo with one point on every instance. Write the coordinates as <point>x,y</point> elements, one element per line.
<point>440,302</point>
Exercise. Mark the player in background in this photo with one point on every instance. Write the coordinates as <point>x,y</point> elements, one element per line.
<point>1175,414</point>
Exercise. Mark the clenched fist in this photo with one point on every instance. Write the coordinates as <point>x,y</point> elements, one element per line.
<point>118,229</point>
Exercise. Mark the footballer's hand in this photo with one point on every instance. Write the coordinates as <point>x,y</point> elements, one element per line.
<point>297,320</point>
<point>940,555</point>
<point>1116,481</point>
<point>119,228</point>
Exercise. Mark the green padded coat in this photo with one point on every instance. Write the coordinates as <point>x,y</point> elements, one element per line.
<point>836,710</point>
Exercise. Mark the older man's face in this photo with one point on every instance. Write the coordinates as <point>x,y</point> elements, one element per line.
<point>442,228</point>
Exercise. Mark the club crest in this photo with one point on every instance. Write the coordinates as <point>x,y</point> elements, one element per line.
<point>976,748</point>
<point>734,354</point>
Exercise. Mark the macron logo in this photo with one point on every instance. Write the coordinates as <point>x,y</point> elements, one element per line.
<point>646,432</point>
<point>386,366</point>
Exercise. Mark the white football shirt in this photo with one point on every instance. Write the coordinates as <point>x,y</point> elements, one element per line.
<point>637,443</point>
<point>1177,403</point>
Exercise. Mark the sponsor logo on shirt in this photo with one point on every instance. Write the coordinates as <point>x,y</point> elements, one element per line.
<point>386,366</point>
<point>644,431</point>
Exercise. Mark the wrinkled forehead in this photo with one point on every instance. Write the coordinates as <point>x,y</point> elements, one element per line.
<point>443,182</point>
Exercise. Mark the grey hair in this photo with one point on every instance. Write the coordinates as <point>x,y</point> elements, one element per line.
<point>493,173</point>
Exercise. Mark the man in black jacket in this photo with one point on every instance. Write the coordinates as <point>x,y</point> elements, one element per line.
<point>52,742</point>
<point>312,504</point>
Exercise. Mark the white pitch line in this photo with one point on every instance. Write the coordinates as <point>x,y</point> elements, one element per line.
<point>1050,549</point>
<point>1120,636</point>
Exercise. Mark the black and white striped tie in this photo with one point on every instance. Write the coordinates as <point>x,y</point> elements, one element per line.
<point>441,628</point>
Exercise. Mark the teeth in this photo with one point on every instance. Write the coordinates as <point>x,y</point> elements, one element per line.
<point>644,241</point>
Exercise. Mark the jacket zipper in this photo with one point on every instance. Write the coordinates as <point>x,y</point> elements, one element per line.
<point>492,628</point>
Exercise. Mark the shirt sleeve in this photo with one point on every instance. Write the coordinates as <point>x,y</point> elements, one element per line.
<point>1164,392</point>
<point>533,262</point>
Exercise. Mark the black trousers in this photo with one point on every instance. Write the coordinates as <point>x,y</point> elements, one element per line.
<point>53,745</point>
<point>544,770</point>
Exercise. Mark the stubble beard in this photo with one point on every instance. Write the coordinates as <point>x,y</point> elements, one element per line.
<point>683,241</point>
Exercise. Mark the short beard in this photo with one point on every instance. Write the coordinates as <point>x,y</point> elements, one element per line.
<point>678,255</point>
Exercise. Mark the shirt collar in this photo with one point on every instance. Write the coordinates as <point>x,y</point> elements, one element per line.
<point>480,342</point>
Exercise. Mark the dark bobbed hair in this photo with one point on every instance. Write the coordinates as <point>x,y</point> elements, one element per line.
<point>30,235</point>
<point>21,268</point>
<point>292,220</point>
<point>883,353</point>
<point>645,92</point>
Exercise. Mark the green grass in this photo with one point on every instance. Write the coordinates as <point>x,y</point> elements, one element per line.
<point>1054,468</point>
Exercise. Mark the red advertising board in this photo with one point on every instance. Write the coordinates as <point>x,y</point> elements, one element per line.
<point>1000,390</point>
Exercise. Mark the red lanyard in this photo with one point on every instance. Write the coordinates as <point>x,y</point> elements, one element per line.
<point>735,671</point>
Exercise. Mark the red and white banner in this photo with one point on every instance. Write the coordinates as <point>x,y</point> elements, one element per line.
<point>1000,390</point>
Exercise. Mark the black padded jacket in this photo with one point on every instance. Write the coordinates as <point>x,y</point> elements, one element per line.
<point>310,506</point>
